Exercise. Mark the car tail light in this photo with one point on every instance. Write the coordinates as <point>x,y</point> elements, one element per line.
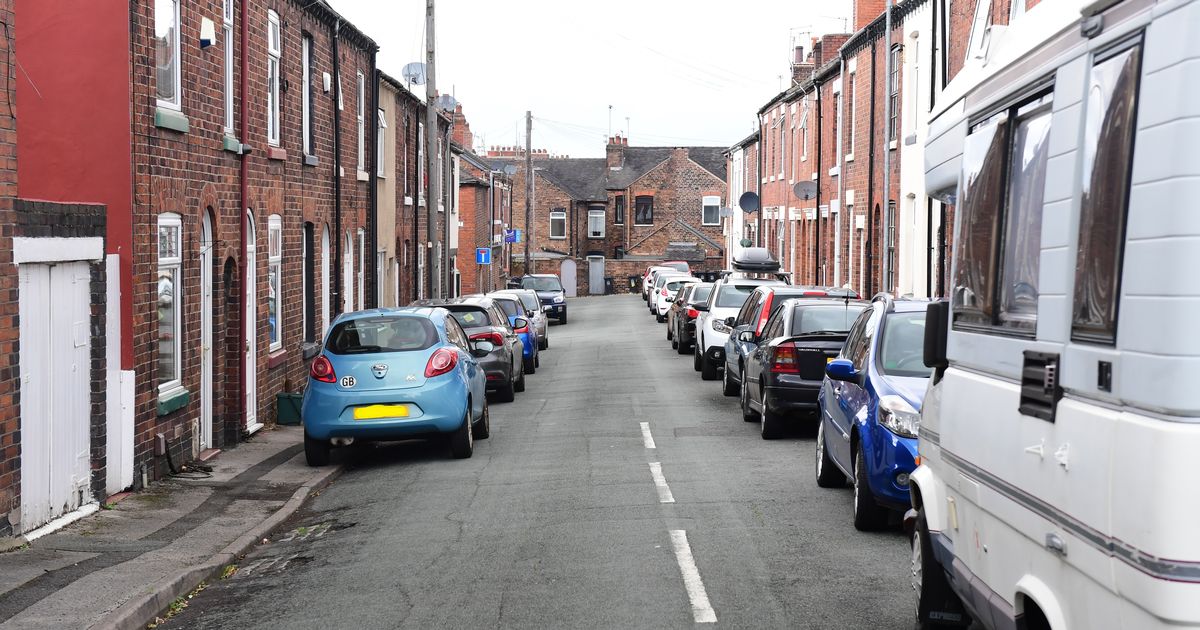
<point>693,313</point>
<point>664,293</point>
<point>441,362</point>
<point>815,293</point>
<point>322,370</point>
<point>785,359</point>
<point>494,337</point>
<point>766,313</point>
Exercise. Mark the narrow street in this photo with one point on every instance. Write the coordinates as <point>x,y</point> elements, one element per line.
<point>562,519</point>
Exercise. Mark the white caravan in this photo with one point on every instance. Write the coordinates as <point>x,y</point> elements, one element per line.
<point>1060,433</point>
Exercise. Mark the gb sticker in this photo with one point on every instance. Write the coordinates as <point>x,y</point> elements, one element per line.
<point>348,381</point>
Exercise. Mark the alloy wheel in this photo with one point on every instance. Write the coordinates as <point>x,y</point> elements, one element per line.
<point>918,577</point>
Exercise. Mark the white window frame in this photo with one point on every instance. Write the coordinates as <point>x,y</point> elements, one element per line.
<point>177,102</point>
<point>170,220</point>
<point>853,125</point>
<point>306,93</point>
<point>782,141</point>
<point>275,278</point>
<point>381,144</point>
<point>341,94</point>
<point>274,52</point>
<point>227,43</point>
<point>420,164</point>
<point>713,201</point>
<point>361,95</point>
<point>594,212</point>
<point>558,215</point>
<point>804,131</point>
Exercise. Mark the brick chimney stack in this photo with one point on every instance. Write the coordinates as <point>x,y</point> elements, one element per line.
<point>865,11</point>
<point>801,67</point>
<point>615,151</point>
<point>462,129</point>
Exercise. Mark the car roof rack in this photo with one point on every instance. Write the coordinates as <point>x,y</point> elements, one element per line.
<point>785,276</point>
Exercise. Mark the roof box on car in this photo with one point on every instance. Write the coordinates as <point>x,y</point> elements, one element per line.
<point>755,259</point>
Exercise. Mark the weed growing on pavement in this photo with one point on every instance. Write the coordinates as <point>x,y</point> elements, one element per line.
<point>228,571</point>
<point>177,606</point>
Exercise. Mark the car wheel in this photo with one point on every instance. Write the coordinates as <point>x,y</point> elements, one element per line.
<point>771,423</point>
<point>696,356</point>
<point>462,442</point>
<point>659,318</point>
<point>669,331</point>
<point>828,475</point>
<point>519,385</point>
<point>708,369</point>
<point>684,347</point>
<point>937,606</point>
<point>728,387</point>
<point>530,366</point>
<point>868,515</point>
<point>748,414</point>
<point>316,452</point>
<point>507,393</point>
<point>563,319</point>
<point>543,343</point>
<point>483,428</point>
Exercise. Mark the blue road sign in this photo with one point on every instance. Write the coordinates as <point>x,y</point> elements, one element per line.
<point>512,236</point>
<point>483,255</point>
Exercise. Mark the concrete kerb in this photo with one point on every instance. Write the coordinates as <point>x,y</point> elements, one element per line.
<point>137,612</point>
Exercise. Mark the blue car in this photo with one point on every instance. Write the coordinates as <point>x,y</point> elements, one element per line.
<point>396,373</point>
<point>870,405</point>
<point>514,309</point>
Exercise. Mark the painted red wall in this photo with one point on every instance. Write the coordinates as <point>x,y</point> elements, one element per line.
<point>73,118</point>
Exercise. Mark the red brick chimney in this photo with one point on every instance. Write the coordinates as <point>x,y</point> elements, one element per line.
<point>462,129</point>
<point>615,151</point>
<point>801,67</point>
<point>865,11</point>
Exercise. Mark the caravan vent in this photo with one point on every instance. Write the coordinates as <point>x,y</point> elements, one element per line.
<point>1040,390</point>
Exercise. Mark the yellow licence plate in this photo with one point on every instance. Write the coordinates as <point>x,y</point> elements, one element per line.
<point>375,412</point>
<point>829,360</point>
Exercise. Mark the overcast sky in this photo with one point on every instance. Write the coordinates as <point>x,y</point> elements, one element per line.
<point>683,73</point>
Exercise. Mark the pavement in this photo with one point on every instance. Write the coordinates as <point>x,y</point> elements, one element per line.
<point>576,515</point>
<point>122,566</point>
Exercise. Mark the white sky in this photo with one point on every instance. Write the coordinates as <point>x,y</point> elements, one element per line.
<point>684,73</point>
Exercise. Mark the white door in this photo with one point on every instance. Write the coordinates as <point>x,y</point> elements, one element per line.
<point>595,275</point>
<point>252,423</point>
<point>348,275</point>
<point>566,273</point>
<point>325,280</point>
<point>55,359</point>
<point>206,321</point>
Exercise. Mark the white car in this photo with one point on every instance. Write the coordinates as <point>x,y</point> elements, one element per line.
<point>648,279</point>
<point>533,305</point>
<point>656,289</point>
<point>712,329</point>
<point>666,294</point>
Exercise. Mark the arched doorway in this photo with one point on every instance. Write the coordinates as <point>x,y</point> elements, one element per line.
<point>206,326</point>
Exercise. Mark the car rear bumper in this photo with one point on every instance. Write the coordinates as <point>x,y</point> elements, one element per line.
<point>799,398</point>
<point>436,408</point>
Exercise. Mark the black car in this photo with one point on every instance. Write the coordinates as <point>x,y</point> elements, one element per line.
<point>782,375</point>
<point>681,318</point>
<point>483,319</point>
<point>550,291</point>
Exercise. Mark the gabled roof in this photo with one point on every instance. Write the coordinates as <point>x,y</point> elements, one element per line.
<point>641,160</point>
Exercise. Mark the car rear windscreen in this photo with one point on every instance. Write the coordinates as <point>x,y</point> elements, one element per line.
<point>509,307</point>
<point>833,318</point>
<point>734,296</point>
<point>678,266</point>
<point>381,334</point>
<point>529,300</point>
<point>674,285</point>
<point>470,316</point>
<point>901,352</point>
<point>541,284</point>
<point>700,294</point>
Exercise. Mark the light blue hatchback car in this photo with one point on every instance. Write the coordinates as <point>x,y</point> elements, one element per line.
<point>397,373</point>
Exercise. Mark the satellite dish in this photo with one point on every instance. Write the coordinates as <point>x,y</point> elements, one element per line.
<point>749,202</point>
<point>510,169</point>
<point>805,190</point>
<point>414,73</point>
<point>446,102</point>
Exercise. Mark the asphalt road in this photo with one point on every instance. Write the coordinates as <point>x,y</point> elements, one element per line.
<point>559,519</point>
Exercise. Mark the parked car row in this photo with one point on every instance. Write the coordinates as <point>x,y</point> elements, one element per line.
<point>428,369</point>
<point>809,355</point>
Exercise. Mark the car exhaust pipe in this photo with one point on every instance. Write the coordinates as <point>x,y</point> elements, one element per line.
<point>342,441</point>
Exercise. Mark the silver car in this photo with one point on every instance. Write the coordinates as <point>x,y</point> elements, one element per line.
<point>529,299</point>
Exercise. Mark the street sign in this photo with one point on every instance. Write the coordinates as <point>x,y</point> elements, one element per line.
<point>512,236</point>
<point>483,255</point>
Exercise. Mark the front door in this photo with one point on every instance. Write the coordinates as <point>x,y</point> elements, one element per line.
<point>566,274</point>
<point>55,359</point>
<point>252,423</point>
<point>595,275</point>
<point>206,323</point>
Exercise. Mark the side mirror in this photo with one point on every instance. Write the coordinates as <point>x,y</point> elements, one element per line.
<point>729,322</point>
<point>481,349</point>
<point>842,370</point>
<point>520,323</point>
<point>937,328</point>
<point>701,306</point>
<point>747,336</point>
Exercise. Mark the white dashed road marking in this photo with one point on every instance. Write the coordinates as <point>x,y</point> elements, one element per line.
<point>702,610</point>
<point>660,483</point>
<point>647,439</point>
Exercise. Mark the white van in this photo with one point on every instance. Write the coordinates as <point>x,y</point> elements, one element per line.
<point>1060,435</point>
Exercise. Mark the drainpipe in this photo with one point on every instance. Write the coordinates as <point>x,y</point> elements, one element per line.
<point>416,231</point>
<point>841,162</point>
<point>762,139</point>
<point>888,214</point>
<point>244,195</point>
<point>373,194</point>
<point>869,276</point>
<point>336,298</point>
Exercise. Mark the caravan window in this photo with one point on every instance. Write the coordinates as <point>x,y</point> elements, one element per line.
<point>1004,176</point>
<point>1107,156</point>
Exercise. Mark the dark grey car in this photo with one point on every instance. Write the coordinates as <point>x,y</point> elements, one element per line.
<point>482,319</point>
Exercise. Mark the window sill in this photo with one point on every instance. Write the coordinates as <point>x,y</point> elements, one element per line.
<point>231,144</point>
<point>276,153</point>
<point>311,160</point>
<point>643,225</point>
<point>595,238</point>
<point>710,225</point>
<point>363,176</point>
<point>833,172</point>
<point>165,118</point>
<point>849,157</point>
<point>173,400</point>
<point>892,145</point>
<point>558,238</point>
<point>309,350</point>
<point>276,358</point>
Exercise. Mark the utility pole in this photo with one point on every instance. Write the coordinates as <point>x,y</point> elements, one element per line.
<point>451,222</point>
<point>528,188</point>
<point>885,253</point>
<point>433,183</point>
